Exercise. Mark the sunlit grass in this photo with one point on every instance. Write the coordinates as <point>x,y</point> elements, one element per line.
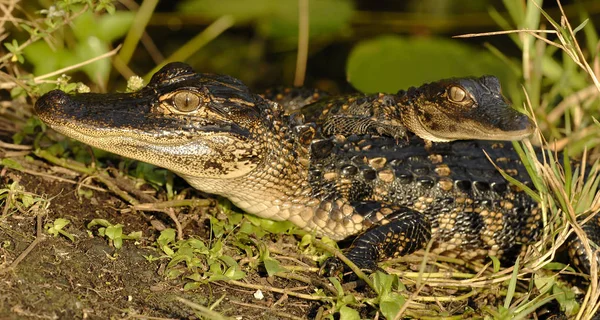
<point>555,66</point>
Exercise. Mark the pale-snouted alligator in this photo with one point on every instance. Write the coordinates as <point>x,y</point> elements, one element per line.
<point>393,194</point>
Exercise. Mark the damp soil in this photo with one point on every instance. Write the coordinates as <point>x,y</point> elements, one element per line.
<point>47,277</point>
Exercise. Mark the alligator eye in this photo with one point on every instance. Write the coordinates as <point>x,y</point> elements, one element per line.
<point>457,94</point>
<point>186,101</point>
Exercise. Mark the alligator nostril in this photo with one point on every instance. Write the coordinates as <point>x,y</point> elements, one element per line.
<point>518,122</point>
<point>528,124</point>
<point>523,124</point>
<point>50,101</point>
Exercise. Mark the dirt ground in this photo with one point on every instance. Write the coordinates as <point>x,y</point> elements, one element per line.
<point>89,279</point>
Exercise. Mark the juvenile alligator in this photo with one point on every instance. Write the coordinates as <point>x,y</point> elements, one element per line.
<point>395,194</point>
<point>441,111</point>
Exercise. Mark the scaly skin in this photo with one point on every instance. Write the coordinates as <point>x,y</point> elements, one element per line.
<point>395,194</point>
<point>294,98</point>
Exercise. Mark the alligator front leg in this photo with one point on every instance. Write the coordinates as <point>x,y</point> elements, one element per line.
<point>399,233</point>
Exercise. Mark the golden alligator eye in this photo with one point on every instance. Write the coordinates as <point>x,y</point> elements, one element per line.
<point>457,94</point>
<point>186,101</point>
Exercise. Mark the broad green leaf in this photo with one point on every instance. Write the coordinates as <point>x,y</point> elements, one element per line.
<point>198,245</point>
<point>390,305</point>
<point>85,26</point>
<point>86,193</point>
<point>278,19</point>
<point>134,235</point>
<point>192,286</point>
<point>234,273</point>
<point>272,266</point>
<point>177,258</point>
<point>390,63</point>
<point>27,200</point>
<point>60,223</point>
<point>249,228</point>
<point>43,58</point>
<point>557,266</point>
<point>150,173</point>
<point>566,298</point>
<point>544,283</point>
<point>114,232</point>
<point>229,261</point>
<point>98,222</point>
<point>347,313</point>
<point>66,234</point>
<point>90,48</point>
<point>495,263</point>
<point>118,243</point>
<point>56,227</point>
<point>168,251</point>
<point>337,285</point>
<point>113,27</point>
<point>306,240</point>
<point>195,276</point>
<point>173,273</point>
<point>384,282</point>
<point>241,10</point>
<point>166,237</point>
<point>11,163</point>
<point>283,23</point>
<point>273,226</point>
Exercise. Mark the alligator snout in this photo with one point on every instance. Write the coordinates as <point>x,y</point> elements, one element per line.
<point>517,127</point>
<point>519,122</point>
<point>51,103</point>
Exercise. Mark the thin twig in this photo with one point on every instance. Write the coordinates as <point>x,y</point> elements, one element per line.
<point>77,65</point>
<point>173,203</point>
<point>270,309</point>
<point>171,213</point>
<point>303,35</point>
<point>14,146</point>
<point>279,290</point>
<point>188,49</point>
<point>210,314</point>
<point>38,238</point>
<point>135,32</point>
<point>495,33</point>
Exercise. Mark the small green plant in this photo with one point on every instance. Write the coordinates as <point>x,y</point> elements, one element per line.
<point>194,260</point>
<point>56,227</point>
<point>49,55</point>
<point>114,232</point>
<point>14,199</point>
<point>344,301</point>
<point>389,300</point>
<point>201,262</point>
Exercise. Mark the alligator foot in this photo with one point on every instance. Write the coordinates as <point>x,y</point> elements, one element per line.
<point>399,233</point>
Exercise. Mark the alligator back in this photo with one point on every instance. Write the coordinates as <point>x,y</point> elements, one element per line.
<point>464,198</point>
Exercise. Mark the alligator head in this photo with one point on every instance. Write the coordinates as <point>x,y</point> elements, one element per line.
<point>199,125</point>
<point>463,108</point>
